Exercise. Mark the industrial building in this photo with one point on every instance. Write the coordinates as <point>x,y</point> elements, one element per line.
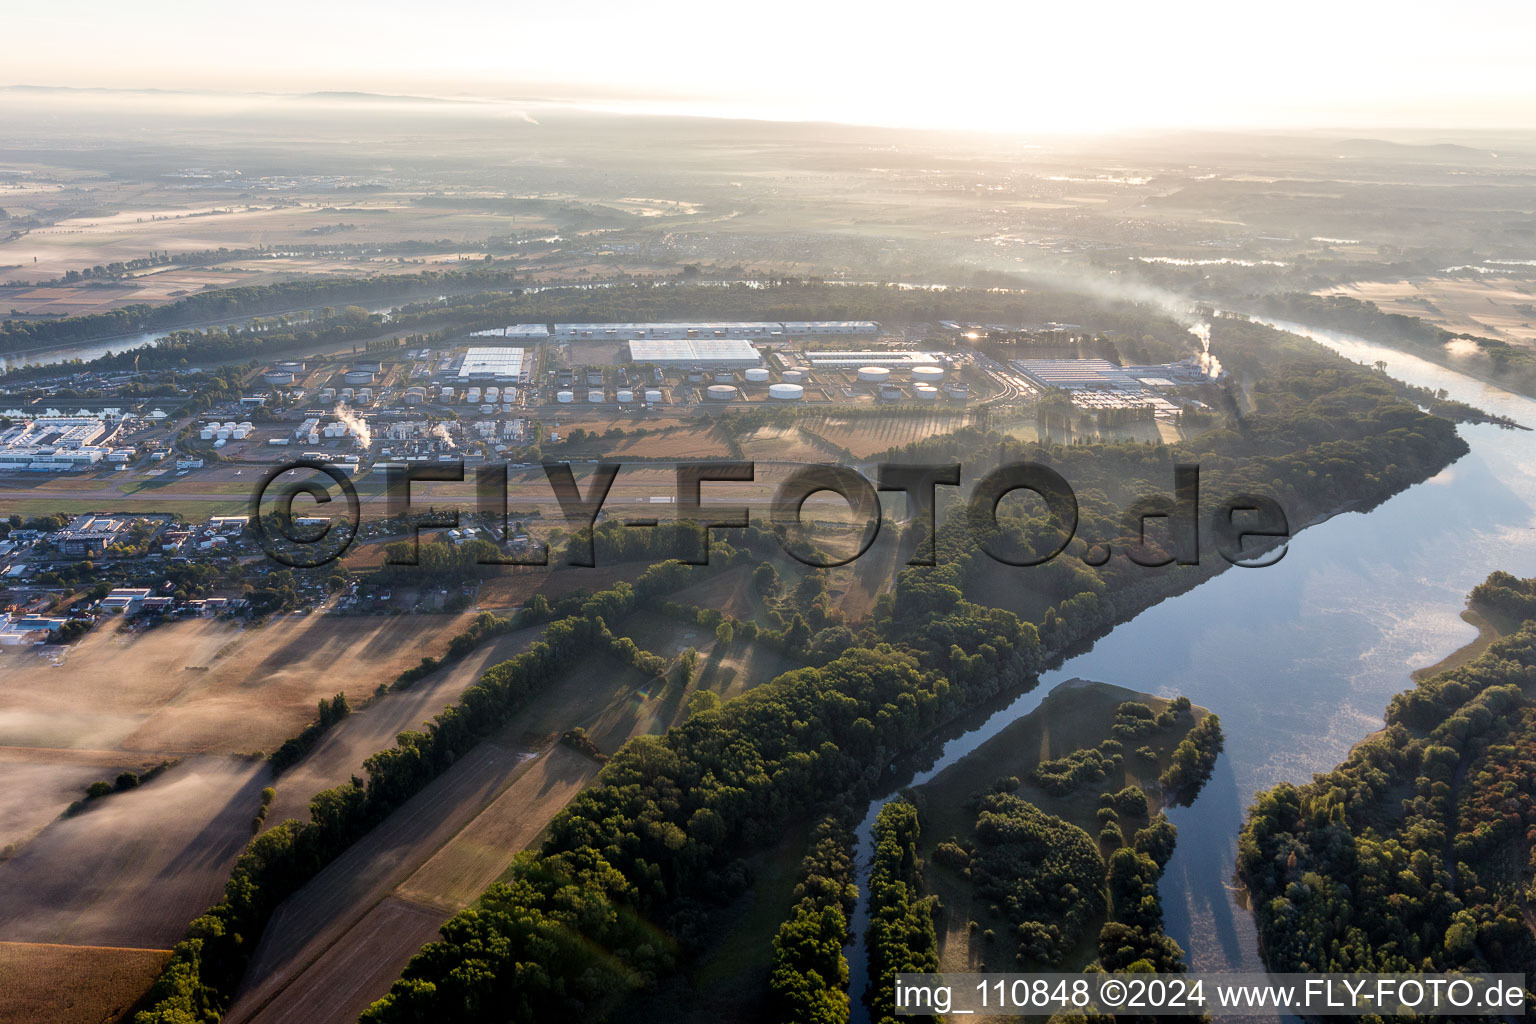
<point>898,360</point>
<point>89,536</point>
<point>730,353</point>
<point>493,363</point>
<point>828,328</point>
<point>1098,384</point>
<point>1101,374</point>
<point>525,332</point>
<point>745,329</point>
<point>54,444</point>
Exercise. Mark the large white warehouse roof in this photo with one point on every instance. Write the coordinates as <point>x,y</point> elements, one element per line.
<point>695,352</point>
<point>500,363</point>
<point>895,360</point>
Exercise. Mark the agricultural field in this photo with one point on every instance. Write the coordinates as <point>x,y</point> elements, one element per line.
<point>134,867</point>
<point>1493,307</point>
<point>376,904</point>
<point>358,967</point>
<point>204,686</point>
<point>868,435</point>
<point>105,982</point>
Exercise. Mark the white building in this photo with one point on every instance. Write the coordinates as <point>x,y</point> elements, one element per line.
<point>732,353</point>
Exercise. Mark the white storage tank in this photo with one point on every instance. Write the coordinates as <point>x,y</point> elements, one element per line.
<point>446,394</point>
<point>564,397</point>
<point>246,425</point>
<point>472,396</point>
<point>794,376</point>
<point>239,433</point>
<point>653,396</point>
<point>487,408</point>
<point>221,442</point>
<point>720,393</point>
<point>874,374</point>
<point>492,394</point>
<point>206,434</point>
<point>365,394</point>
<point>925,392</point>
<point>595,396</point>
<point>724,377</point>
<point>222,434</point>
<point>757,375</point>
<point>927,374</point>
<point>626,395</point>
<point>346,394</point>
<point>786,392</point>
<point>326,394</point>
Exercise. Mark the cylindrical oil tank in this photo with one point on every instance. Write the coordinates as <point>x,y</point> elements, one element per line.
<point>625,395</point>
<point>595,396</point>
<point>786,392</point>
<point>927,374</point>
<point>925,392</point>
<point>564,397</point>
<point>757,375</point>
<point>794,376</point>
<point>720,393</point>
<point>653,396</point>
<point>874,374</point>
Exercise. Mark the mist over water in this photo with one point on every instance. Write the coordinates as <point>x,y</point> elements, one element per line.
<point>1300,659</point>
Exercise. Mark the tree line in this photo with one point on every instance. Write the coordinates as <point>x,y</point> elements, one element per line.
<point>1416,853</point>
<point>205,968</point>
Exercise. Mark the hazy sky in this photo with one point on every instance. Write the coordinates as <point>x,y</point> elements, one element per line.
<point>995,64</point>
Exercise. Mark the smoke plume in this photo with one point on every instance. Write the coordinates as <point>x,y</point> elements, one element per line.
<point>356,424</point>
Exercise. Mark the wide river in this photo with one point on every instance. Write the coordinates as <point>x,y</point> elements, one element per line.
<point>1301,658</point>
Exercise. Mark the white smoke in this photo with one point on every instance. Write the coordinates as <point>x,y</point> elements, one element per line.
<point>1209,364</point>
<point>356,424</point>
<point>440,431</point>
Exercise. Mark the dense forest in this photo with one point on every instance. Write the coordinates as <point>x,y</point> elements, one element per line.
<point>901,936</point>
<point>1419,851</point>
<point>809,979</point>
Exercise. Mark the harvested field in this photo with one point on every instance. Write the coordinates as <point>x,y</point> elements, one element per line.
<point>698,442</point>
<point>38,787</point>
<point>103,982</point>
<point>339,980</point>
<point>340,753</point>
<point>1502,308</point>
<point>205,686</point>
<point>458,873</point>
<point>326,908</point>
<point>135,867</point>
<point>871,435</point>
<point>350,975</point>
<point>783,443</point>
